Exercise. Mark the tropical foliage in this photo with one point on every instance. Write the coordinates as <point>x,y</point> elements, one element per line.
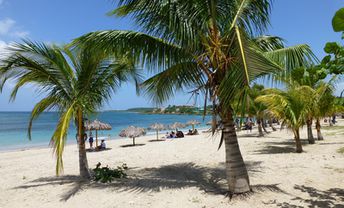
<point>215,47</point>
<point>75,83</point>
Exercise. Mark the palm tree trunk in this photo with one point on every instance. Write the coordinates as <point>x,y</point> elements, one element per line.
<point>260,130</point>
<point>133,141</point>
<point>157,135</point>
<point>318,127</point>
<point>263,126</point>
<point>83,164</point>
<point>298,141</point>
<point>270,124</point>
<point>237,176</point>
<point>309,132</point>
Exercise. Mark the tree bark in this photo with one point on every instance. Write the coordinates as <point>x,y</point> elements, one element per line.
<point>270,124</point>
<point>83,164</point>
<point>237,175</point>
<point>309,132</point>
<point>298,141</point>
<point>318,127</point>
<point>263,126</point>
<point>260,130</point>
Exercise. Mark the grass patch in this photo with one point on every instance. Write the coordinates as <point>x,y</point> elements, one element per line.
<point>341,150</point>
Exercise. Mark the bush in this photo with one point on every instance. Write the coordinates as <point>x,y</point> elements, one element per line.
<point>106,174</point>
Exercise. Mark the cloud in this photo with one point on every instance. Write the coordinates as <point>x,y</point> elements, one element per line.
<point>9,28</point>
<point>21,34</point>
<point>6,25</point>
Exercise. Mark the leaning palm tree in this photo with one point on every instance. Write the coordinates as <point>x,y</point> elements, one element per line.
<point>74,83</point>
<point>290,106</point>
<point>210,46</point>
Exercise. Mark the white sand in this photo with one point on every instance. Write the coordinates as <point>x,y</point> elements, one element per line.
<point>185,172</point>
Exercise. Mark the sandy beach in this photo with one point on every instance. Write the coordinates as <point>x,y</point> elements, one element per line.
<point>186,172</point>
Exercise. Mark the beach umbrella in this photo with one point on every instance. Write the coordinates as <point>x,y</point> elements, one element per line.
<point>157,127</point>
<point>132,132</point>
<point>95,126</point>
<point>176,126</point>
<point>193,123</point>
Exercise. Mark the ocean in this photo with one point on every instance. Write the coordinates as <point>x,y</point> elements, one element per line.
<point>13,126</point>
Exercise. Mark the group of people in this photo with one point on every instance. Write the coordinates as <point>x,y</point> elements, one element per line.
<point>192,132</point>
<point>178,134</point>
<point>90,139</point>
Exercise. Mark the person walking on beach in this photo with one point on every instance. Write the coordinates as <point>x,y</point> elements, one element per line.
<point>90,140</point>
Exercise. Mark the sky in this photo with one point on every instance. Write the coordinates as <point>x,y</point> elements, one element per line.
<point>296,21</point>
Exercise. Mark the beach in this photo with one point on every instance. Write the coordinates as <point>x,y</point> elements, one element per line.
<point>186,172</point>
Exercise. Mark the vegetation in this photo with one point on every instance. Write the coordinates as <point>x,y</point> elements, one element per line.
<point>76,83</point>
<point>107,175</point>
<point>214,47</point>
<point>290,106</point>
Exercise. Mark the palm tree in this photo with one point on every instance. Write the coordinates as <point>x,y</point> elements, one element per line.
<point>211,46</point>
<point>290,106</point>
<point>74,83</point>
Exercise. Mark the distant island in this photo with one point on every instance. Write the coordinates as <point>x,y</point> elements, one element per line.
<point>173,109</point>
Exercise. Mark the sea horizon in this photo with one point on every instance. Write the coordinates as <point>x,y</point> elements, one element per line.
<point>14,124</point>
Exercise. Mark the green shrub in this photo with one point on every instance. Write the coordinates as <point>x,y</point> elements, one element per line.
<point>106,174</point>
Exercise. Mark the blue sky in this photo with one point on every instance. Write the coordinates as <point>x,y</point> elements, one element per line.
<point>297,21</point>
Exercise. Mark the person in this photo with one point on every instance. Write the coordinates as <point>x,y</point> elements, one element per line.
<point>102,145</point>
<point>90,140</point>
<point>179,134</point>
<point>173,135</point>
<point>190,132</point>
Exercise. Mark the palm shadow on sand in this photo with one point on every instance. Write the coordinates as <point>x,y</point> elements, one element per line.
<point>279,147</point>
<point>332,197</point>
<point>131,145</point>
<point>211,180</point>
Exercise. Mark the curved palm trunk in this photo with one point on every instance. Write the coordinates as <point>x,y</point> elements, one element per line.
<point>260,129</point>
<point>237,175</point>
<point>309,132</point>
<point>318,127</point>
<point>270,124</point>
<point>297,141</point>
<point>263,126</point>
<point>83,164</point>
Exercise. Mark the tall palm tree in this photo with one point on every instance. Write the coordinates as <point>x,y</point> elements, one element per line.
<point>290,106</point>
<point>74,83</point>
<point>212,46</point>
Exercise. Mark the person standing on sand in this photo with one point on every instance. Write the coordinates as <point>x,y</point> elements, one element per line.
<point>90,140</point>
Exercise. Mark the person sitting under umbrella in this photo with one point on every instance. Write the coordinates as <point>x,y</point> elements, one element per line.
<point>102,145</point>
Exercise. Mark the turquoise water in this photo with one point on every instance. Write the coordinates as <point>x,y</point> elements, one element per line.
<point>13,126</point>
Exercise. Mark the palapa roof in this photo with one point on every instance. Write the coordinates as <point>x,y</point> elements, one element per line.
<point>193,122</point>
<point>177,125</point>
<point>97,125</point>
<point>132,131</point>
<point>157,126</point>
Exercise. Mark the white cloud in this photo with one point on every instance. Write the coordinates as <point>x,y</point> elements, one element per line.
<point>6,25</point>
<point>20,34</point>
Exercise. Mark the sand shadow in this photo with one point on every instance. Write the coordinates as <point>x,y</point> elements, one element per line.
<point>281,147</point>
<point>211,180</point>
<point>131,145</point>
<point>157,140</point>
<point>333,197</point>
<point>94,150</point>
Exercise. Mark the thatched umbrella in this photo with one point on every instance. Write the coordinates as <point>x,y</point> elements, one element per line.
<point>193,123</point>
<point>176,125</point>
<point>97,125</point>
<point>157,127</point>
<point>132,132</point>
